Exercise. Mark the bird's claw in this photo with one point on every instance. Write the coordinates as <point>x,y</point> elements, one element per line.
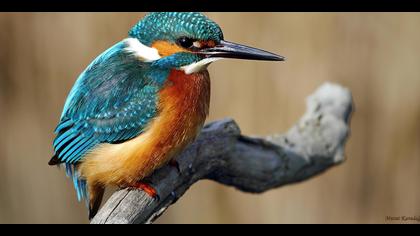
<point>148,189</point>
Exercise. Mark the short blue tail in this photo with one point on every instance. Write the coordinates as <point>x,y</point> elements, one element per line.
<point>78,182</point>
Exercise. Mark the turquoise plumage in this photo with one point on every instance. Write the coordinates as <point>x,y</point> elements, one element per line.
<point>115,98</point>
<point>113,109</point>
<point>106,136</point>
<point>170,26</point>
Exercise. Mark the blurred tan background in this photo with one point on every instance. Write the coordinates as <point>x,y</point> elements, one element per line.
<point>376,55</point>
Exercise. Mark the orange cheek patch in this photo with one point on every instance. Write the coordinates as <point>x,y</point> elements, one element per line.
<point>207,44</point>
<point>166,49</point>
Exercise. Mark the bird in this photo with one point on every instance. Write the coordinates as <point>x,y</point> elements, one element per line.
<point>141,102</point>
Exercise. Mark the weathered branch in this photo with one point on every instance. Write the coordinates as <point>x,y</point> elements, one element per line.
<point>251,164</point>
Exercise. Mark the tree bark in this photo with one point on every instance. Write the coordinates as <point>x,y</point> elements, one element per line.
<point>251,164</point>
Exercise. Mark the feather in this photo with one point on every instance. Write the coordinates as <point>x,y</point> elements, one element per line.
<point>65,152</point>
<point>81,150</point>
<point>103,106</point>
<point>63,125</point>
<point>112,101</point>
<point>63,137</point>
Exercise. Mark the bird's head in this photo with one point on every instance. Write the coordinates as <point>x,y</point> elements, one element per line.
<point>189,41</point>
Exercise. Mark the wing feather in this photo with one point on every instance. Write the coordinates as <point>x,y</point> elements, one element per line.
<point>112,101</point>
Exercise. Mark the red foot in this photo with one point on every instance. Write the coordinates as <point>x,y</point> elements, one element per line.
<point>147,188</point>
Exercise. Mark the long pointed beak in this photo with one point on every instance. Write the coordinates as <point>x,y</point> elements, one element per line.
<point>233,50</point>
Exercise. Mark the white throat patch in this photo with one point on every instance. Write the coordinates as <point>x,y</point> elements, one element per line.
<point>198,66</point>
<point>143,52</point>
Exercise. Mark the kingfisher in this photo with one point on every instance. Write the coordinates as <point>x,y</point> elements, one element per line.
<point>141,102</point>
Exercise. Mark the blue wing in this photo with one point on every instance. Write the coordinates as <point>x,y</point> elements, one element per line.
<point>112,101</point>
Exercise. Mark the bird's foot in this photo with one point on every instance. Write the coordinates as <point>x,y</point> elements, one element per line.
<point>175,164</point>
<point>148,189</point>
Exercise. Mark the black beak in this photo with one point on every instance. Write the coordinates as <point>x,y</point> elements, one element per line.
<point>233,50</point>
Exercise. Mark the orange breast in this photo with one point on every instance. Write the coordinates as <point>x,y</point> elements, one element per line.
<point>183,106</point>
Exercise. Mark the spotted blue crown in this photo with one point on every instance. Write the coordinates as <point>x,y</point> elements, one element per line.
<point>170,26</point>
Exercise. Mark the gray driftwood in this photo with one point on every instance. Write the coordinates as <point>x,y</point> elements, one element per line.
<point>251,164</point>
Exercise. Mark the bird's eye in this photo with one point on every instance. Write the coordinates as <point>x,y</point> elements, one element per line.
<point>185,42</point>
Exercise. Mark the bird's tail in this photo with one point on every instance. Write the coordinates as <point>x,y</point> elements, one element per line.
<point>96,192</point>
<point>92,193</point>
